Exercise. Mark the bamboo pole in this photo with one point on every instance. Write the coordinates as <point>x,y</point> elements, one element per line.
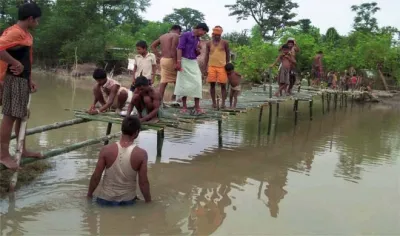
<point>311,107</point>
<point>108,131</point>
<point>277,110</point>
<point>20,145</point>
<point>62,150</point>
<point>323,103</point>
<point>259,119</point>
<point>160,142</point>
<point>56,125</point>
<point>269,118</point>
<point>220,144</point>
<point>296,105</point>
<point>336,98</point>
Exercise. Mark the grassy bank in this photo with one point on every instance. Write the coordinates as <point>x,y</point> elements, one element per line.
<point>25,176</point>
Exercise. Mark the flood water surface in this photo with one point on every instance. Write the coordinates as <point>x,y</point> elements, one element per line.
<point>335,175</point>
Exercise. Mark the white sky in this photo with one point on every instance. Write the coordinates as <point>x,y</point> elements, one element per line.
<point>322,13</point>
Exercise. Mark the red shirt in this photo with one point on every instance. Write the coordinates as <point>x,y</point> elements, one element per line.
<point>354,80</point>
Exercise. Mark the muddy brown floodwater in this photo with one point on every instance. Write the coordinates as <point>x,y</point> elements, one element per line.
<point>336,175</point>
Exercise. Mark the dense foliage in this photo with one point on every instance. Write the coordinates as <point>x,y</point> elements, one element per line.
<point>102,29</point>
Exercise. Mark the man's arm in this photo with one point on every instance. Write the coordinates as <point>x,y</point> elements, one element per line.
<point>16,66</point>
<point>134,73</point>
<point>181,45</point>
<point>154,49</point>
<point>153,113</point>
<point>143,180</point>
<point>96,176</point>
<point>276,61</point>
<point>153,68</point>
<point>228,52</point>
<point>110,101</point>
<point>207,57</point>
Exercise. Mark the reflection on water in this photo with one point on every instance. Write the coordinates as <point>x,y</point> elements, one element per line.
<point>335,175</point>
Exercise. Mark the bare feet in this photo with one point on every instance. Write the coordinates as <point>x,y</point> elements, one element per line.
<point>8,162</point>
<point>32,154</point>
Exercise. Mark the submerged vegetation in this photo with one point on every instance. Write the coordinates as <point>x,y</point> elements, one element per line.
<point>98,29</point>
<point>27,175</point>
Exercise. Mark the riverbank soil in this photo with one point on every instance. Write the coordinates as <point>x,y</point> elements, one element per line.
<point>26,175</point>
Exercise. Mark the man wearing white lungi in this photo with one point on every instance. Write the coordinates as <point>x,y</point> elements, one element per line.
<point>188,81</point>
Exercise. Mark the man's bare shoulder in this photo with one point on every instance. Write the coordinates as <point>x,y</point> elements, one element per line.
<point>139,153</point>
<point>108,149</point>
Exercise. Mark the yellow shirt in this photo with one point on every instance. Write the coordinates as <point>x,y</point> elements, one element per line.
<point>217,56</point>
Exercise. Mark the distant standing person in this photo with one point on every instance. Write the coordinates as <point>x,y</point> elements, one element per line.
<point>294,49</point>
<point>145,63</point>
<point>122,163</point>
<point>287,62</point>
<point>217,56</point>
<point>168,43</point>
<point>188,82</point>
<point>15,75</point>
<point>317,68</point>
<point>234,80</point>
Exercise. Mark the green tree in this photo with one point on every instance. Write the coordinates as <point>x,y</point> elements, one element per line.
<point>270,15</point>
<point>238,38</point>
<point>364,19</point>
<point>305,25</point>
<point>187,18</point>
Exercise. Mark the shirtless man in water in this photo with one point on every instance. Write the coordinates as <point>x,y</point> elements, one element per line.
<point>168,43</point>
<point>146,100</point>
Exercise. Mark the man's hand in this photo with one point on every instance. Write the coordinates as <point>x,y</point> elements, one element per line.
<point>33,87</point>
<point>17,68</point>
<point>178,66</point>
<point>93,112</point>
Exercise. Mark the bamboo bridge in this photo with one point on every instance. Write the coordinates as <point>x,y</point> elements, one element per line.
<point>256,98</point>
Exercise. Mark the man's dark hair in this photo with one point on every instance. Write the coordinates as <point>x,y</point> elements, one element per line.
<point>202,26</point>
<point>285,46</point>
<point>320,52</point>
<point>141,81</point>
<point>141,44</point>
<point>130,125</point>
<point>27,10</point>
<point>229,67</point>
<point>99,74</point>
<point>176,27</point>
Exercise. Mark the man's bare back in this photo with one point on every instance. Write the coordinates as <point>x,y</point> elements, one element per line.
<point>168,43</point>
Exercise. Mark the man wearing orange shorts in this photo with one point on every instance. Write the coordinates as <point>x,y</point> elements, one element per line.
<point>217,56</point>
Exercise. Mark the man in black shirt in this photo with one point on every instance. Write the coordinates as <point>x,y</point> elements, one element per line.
<point>15,67</point>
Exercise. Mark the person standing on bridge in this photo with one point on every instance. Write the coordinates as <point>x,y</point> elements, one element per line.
<point>189,82</point>
<point>168,43</point>
<point>317,68</point>
<point>217,56</point>
<point>122,163</point>
<point>15,73</point>
<point>294,49</point>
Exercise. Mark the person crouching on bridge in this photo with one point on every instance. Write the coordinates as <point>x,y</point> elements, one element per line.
<point>146,100</point>
<point>122,162</point>
<point>109,93</point>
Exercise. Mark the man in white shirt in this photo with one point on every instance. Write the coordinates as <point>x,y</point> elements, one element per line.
<point>145,63</point>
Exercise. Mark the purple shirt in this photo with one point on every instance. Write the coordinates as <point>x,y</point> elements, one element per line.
<point>188,44</point>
